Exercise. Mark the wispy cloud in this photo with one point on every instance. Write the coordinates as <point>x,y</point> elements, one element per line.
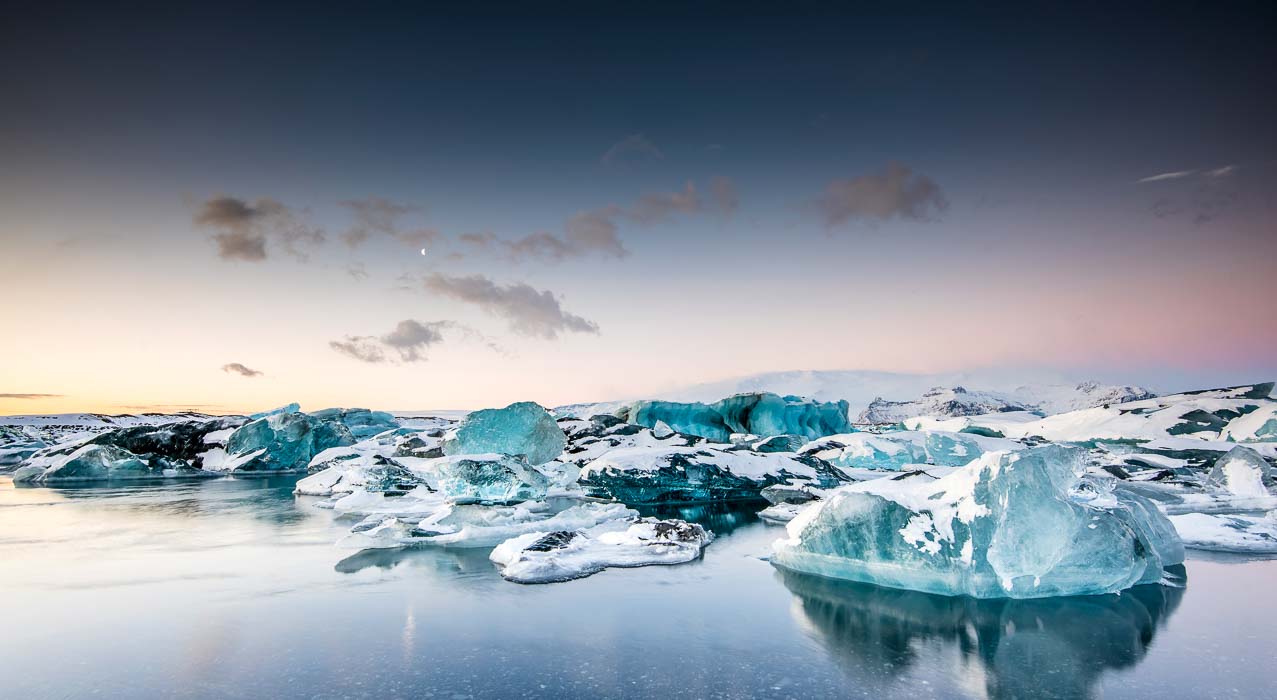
<point>1223,171</point>
<point>364,348</point>
<point>723,192</point>
<point>895,192</point>
<point>374,216</point>
<point>241,370</point>
<point>31,396</point>
<point>243,228</point>
<point>632,149</point>
<point>527,311</point>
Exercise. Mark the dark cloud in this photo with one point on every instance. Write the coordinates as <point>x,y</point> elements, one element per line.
<point>723,191</point>
<point>31,396</point>
<point>237,368</point>
<point>528,311</point>
<point>243,228</point>
<point>896,192</point>
<point>632,149</point>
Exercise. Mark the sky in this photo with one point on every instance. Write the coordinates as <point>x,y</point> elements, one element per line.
<point>227,208</point>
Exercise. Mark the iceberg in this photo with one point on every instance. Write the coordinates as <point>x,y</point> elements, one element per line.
<point>546,557</point>
<point>523,428</point>
<point>694,474</point>
<point>141,451</point>
<point>1242,472</point>
<point>894,451</point>
<point>760,413</point>
<point>361,422</point>
<point>281,442</point>
<point>1242,534</point>
<point>492,478</point>
<point>1008,525</point>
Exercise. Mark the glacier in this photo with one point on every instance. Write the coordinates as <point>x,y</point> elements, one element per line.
<point>1008,525</point>
<point>523,428</point>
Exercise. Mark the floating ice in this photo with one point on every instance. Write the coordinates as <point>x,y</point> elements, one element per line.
<point>1244,534</point>
<point>523,428</point>
<point>1242,472</point>
<point>492,478</point>
<point>1009,525</point>
<point>895,450</point>
<point>141,451</point>
<point>545,557</point>
<point>761,414</point>
<point>88,463</point>
<point>690,474</point>
<point>361,422</point>
<point>282,442</point>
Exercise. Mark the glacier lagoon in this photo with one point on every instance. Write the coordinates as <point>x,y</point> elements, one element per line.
<point>232,588</point>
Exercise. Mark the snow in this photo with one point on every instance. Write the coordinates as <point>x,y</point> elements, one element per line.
<point>545,557</point>
<point>1228,533</point>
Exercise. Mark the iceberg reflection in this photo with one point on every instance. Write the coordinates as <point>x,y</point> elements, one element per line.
<point>1000,648</point>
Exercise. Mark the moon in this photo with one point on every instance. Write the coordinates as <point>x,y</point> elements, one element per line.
<point>423,251</point>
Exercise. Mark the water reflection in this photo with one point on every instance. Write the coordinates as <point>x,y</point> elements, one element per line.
<point>722,518</point>
<point>1051,647</point>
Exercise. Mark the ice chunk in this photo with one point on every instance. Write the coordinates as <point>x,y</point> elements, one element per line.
<point>361,422</point>
<point>1009,525</point>
<point>1256,426</point>
<point>492,478</point>
<point>289,408</point>
<point>545,557</point>
<point>1242,472</point>
<point>1228,533</point>
<point>762,414</point>
<point>282,442</point>
<point>894,451</point>
<point>690,474</point>
<point>523,428</point>
<point>88,463</point>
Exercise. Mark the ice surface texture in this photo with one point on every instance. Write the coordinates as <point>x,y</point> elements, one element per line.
<point>1009,525</point>
<point>545,557</point>
<point>895,450</point>
<point>760,414</point>
<point>523,428</point>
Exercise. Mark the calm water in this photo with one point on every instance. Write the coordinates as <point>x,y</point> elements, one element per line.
<point>234,589</point>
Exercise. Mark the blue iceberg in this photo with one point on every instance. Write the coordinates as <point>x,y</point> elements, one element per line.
<point>282,442</point>
<point>487,478</point>
<point>523,428</point>
<point>1009,525</point>
<point>762,414</point>
<point>361,422</point>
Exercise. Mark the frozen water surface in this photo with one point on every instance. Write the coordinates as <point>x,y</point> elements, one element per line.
<point>233,588</point>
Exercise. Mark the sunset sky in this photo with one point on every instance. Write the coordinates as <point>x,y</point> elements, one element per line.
<point>233,208</point>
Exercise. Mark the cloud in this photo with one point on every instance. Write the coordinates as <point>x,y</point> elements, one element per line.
<point>360,347</point>
<point>660,206</point>
<point>893,193</point>
<point>237,368</point>
<point>243,228</point>
<point>377,216</point>
<point>527,311</point>
<point>723,192</point>
<point>1167,176</point>
<point>31,396</point>
<point>630,150</point>
<point>357,271</point>
<point>1222,172</point>
<point>409,340</point>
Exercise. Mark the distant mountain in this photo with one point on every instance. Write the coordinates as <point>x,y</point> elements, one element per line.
<point>1046,399</point>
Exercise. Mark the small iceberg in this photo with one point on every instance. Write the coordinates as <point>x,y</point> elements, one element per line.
<point>546,557</point>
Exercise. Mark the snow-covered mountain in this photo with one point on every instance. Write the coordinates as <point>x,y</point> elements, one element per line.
<point>958,401</point>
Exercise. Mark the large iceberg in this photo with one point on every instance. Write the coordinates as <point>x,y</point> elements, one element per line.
<point>490,478</point>
<point>523,428</point>
<point>702,473</point>
<point>546,557</point>
<point>139,451</point>
<point>1010,524</point>
<point>762,414</point>
<point>361,422</point>
<point>1242,472</point>
<point>281,442</point>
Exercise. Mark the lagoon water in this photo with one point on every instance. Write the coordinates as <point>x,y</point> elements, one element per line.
<point>234,588</point>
